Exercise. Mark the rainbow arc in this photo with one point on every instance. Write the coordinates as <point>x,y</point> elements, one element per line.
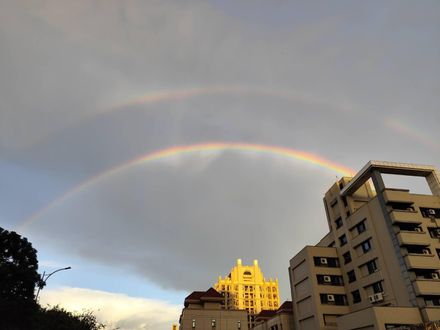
<point>307,157</point>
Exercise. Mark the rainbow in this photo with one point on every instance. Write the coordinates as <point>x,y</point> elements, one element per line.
<point>188,149</point>
<point>403,129</point>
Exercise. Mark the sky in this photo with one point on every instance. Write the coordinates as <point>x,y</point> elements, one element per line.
<point>149,144</point>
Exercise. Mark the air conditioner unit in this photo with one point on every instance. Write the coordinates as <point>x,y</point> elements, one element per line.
<point>372,298</point>
<point>431,212</point>
<point>426,251</point>
<point>330,297</point>
<point>327,279</point>
<point>435,276</point>
<point>418,229</point>
<point>378,296</point>
<point>323,261</point>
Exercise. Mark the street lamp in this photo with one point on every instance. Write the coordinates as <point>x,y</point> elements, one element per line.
<point>44,278</point>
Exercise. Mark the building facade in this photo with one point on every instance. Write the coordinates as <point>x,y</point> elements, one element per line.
<point>281,319</point>
<point>245,288</point>
<point>378,267</point>
<point>205,310</point>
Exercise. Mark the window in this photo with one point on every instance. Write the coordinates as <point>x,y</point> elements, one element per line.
<point>401,206</point>
<point>371,266</point>
<point>326,262</point>
<point>193,324</point>
<point>333,299</point>
<point>238,324</point>
<point>360,227</point>
<point>338,222</point>
<point>330,280</point>
<point>213,323</point>
<point>434,232</point>
<point>342,240</point>
<point>366,246</point>
<point>356,296</point>
<point>377,287</point>
<point>347,257</point>
<point>351,276</point>
<point>428,212</point>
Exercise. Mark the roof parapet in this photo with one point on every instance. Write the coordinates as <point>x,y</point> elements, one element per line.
<point>428,171</point>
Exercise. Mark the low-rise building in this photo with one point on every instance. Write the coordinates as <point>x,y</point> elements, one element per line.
<point>205,310</point>
<point>281,319</point>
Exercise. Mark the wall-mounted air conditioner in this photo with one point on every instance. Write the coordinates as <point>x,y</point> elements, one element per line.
<point>327,279</point>
<point>435,276</point>
<point>378,296</point>
<point>323,261</point>
<point>330,298</point>
<point>372,298</point>
<point>426,251</point>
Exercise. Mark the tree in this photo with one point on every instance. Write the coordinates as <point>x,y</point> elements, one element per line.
<point>18,267</point>
<point>60,319</point>
<point>18,279</point>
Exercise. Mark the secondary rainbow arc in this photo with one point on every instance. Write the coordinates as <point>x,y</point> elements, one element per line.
<point>192,148</point>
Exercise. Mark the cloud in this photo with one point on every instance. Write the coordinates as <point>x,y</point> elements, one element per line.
<point>182,226</point>
<point>113,309</point>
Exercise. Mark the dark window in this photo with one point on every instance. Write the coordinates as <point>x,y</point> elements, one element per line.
<point>360,227</point>
<point>430,212</point>
<point>432,300</point>
<point>356,296</point>
<point>344,200</point>
<point>351,276</point>
<point>333,299</point>
<point>342,240</point>
<point>338,222</point>
<point>377,287</point>
<point>401,206</point>
<point>347,257</point>
<point>330,280</point>
<point>371,266</point>
<point>326,262</point>
<point>434,232</point>
<point>366,246</point>
<point>417,249</point>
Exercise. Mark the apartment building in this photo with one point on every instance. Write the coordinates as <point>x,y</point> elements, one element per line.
<point>205,310</point>
<point>378,267</point>
<point>245,288</point>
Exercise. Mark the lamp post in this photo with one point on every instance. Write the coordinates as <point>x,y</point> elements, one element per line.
<point>44,278</point>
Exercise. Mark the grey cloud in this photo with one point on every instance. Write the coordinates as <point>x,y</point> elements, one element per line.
<point>183,225</point>
<point>348,67</point>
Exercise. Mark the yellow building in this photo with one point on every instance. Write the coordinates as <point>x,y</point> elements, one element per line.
<point>246,288</point>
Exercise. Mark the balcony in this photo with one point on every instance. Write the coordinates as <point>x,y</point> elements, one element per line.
<point>422,261</point>
<point>397,195</point>
<point>405,217</point>
<point>412,238</point>
<point>427,287</point>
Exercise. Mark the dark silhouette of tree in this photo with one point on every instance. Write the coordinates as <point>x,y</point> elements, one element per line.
<point>60,319</point>
<point>18,279</point>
